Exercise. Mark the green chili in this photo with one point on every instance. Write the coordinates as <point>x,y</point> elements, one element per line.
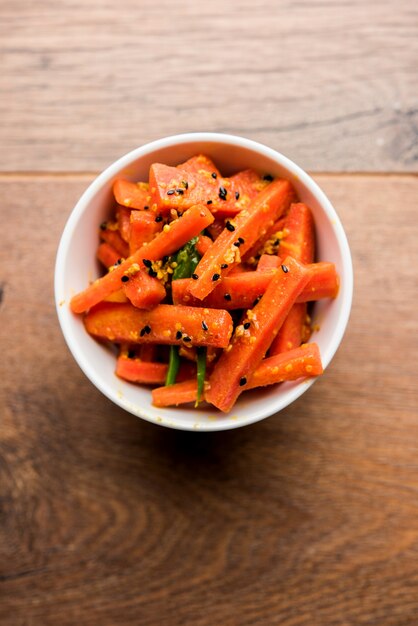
<point>173,366</point>
<point>201,372</point>
<point>187,259</point>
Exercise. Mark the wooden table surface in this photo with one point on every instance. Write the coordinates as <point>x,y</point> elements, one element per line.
<point>307,518</point>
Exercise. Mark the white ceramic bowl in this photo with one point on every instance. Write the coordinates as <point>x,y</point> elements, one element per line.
<point>76,265</point>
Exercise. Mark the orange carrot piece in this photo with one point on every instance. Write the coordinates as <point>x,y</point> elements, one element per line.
<point>199,165</point>
<point>173,395</point>
<point>203,244</point>
<point>132,195</point>
<point>324,282</point>
<point>233,292</point>
<point>147,370</point>
<point>166,242</point>
<point>248,226</point>
<point>173,187</point>
<point>249,345</point>
<point>123,216</point>
<point>143,229</point>
<point>304,362</point>
<point>299,242</point>
<point>248,183</point>
<point>107,255</point>
<point>290,333</point>
<point>164,324</point>
<point>178,232</point>
<point>112,237</point>
<point>143,290</point>
<point>138,371</point>
<point>241,188</point>
<point>240,290</point>
<point>116,296</point>
<point>268,262</point>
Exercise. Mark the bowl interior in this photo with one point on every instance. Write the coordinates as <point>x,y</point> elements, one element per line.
<point>77,265</point>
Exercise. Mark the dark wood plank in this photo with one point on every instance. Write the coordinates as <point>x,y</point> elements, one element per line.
<point>333,85</point>
<point>307,518</point>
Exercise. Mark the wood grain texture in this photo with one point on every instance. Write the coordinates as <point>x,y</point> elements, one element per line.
<point>331,84</point>
<point>309,518</point>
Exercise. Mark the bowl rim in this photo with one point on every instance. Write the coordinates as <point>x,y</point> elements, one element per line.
<point>204,137</point>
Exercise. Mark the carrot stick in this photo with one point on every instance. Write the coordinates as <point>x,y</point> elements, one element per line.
<point>324,282</point>
<point>179,188</point>
<point>138,371</point>
<point>165,324</point>
<point>132,195</point>
<point>268,262</point>
<point>291,365</point>
<point>242,188</point>
<point>233,292</point>
<point>143,290</point>
<point>123,216</point>
<point>199,164</point>
<point>249,345</point>
<point>178,233</point>
<point>166,242</point>
<point>203,244</point>
<point>143,229</point>
<point>113,238</point>
<point>172,187</point>
<point>179,393</point>
<point>241,290</point>
<point>236,239</point>
<point>290,333</point>
<point>299,242</point>
<point>116,296</point>
<point>304,362</point>
<point>248,182</point>
<point>107,255</point>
